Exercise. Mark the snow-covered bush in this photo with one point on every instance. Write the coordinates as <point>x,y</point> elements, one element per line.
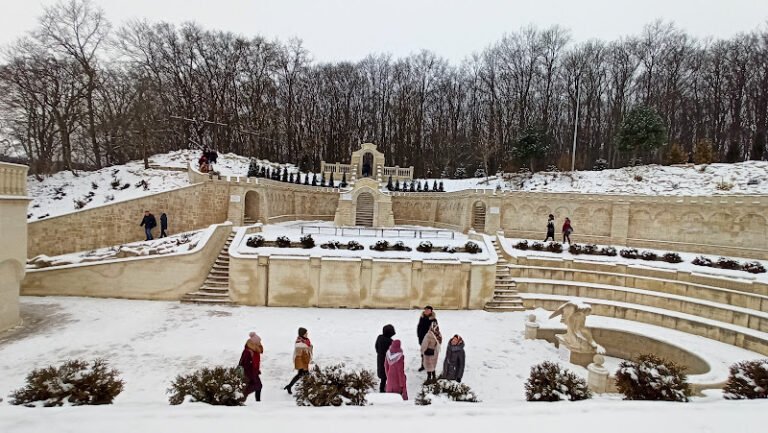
<point>725,263</point>
<point>672,258</point>
<point>629,253</point>
<point>724,186</point>
<point>652,378</point>
<point>460,173</point>
<point>600,165</point>
<point>79,203</point>
<point>551,382</point>
<point>449,249</point>
<point>400,246</point>
<point>115,184</point>
<point>331,245</point>
<point>537,246</point>
<point>75,382</point>
<point>307,241</point>
<point>455,391</point>
<point>94,185</point>
<point>703,261</point>
<point>381,245</point>
<point>747,380</point>
<point>575,249</point>
<point>472,248</point>
<point>522,245</point>
<point>552,168</point>
<point>283,242</point>
<point>334,386</point>
<point>608,251</point>
<point>424,247</point>
<point>555,247</point>
<point>255,241</point>
<point>754,267</point>
<point>479,172</point>
<point>649,255</point>
<point>219,386</point>
<point>590,249</point>
<point>354,246</point>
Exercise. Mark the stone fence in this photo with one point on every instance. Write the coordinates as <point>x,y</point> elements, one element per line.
<point>13,179</point>
<point>13,232</point>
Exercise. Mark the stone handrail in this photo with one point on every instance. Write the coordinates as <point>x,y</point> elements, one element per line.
<point>396,171</point>
<point>13,179</point>
<point>335,168</point>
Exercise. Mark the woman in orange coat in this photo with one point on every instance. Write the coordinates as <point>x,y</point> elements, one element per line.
<point>302,357</point>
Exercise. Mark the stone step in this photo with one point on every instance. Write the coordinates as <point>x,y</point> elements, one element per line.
<point>216,283</point>
<point>506,295</point>
<point>214,290</point>
<point>503,309</point>
<point>199,300</point>
<point>497,302</point>
<point>218,276</point>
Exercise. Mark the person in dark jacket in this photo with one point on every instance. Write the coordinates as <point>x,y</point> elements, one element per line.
<point>163,225</point>
<point>149,222</point>
<point>425,323</point>
<point>383,342</point>
<point>453,365</point>
<point>567,230</point>
<point>550,228</point>
<point>250,360</point>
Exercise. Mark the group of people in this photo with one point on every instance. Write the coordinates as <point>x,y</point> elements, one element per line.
<point>207,160</point>
<point>149,222</point>
<point>567,229</point>
<point>389,351</point>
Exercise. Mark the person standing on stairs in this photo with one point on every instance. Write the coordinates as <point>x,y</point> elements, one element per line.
<point>163,225</point>
<point>430,350</point>
<point>302,357</point>
<point>383,342</point>
<point>550,228</point>
<point>149,222</point>
<point>250,361</point>
<point>425,322</point>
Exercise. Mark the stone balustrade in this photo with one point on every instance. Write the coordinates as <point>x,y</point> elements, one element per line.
<point>13,179</point>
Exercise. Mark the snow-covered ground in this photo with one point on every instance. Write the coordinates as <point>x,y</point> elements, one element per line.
<point>323,231</point>
<point>56,194</point>
<point>151,342</point>
<point>171,244</point>
<point>685,265</point>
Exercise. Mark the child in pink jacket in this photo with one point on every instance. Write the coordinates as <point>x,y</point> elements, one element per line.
<point>394,365</point>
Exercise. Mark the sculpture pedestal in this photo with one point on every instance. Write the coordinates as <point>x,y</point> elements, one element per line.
<point>575,355</point>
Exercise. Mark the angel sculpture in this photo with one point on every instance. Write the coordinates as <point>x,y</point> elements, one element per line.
<point>577,337</point>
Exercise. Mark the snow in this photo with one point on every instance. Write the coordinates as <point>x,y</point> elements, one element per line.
<point>151,342</point>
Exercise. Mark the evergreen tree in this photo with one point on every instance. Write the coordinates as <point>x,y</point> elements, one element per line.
<point>268,174</point>
<point>306,178</point>
<point>285,175</point>
<point>253,169</point>
<point>263,171</point>
<point>413,186</point>
<point>460,173</point>
<point>641,131</point>
<point>330,180</point>
<point>314,179</point>
<point>418,187</point>
<point>397,185</point>
<point>531,145</point>
<point>441,187</point>
<point>343,180</point>
<point>702,152</point>
<point>675,154</point>
<point>389,183</point>
<point>290,178</point>
<point>434,186</point>
<point>298,178</point>
<point>322,179</point>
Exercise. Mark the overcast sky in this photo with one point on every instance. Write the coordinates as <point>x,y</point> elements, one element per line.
<point>349,30</point>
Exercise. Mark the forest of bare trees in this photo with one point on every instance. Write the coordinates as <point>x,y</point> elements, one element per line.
<point>77,91</point>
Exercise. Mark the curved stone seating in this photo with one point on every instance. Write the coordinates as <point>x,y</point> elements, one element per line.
<point>734,315</point>
<point>735,335</point>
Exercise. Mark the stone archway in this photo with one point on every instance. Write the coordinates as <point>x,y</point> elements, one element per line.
<point>367,165</point>
<point>364,210</point>
<point>251,208</point>
<point>478,217</point>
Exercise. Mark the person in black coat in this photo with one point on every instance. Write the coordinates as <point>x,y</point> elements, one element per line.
<point>550,228</point>
<point>163,225</point>
<point>149,222</point>
<point>383,342</point>
<point>453,366</point>
<point>425,323</point>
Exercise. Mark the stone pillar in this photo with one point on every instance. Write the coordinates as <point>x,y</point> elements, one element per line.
<point>262,281</point>
<point>417,289</point>
<point>531,328</point>
<point>597,376</point>
<point>493,215</point>
<point>366,278</point>
<point>314,277</point>
<point>620,222</point>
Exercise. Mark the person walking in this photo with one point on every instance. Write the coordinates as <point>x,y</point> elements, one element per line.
<point>302,357</point>
<point>550,228</point>
<point>250,360</point>
<point>149,222</point>
<point>567,230</point>
<point>383,342</point>
<point>430,350</point>
<point>163,225</point>
<point>394,367</point>
<point>425,322</point>
<point>453,365</point>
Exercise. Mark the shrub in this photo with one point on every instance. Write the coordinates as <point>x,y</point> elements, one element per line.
<point>726,263</point>
<point>283,242</point>
<point>550,382</point>
<point>424,247</point>
<point>331,245</point>
<point>575,249</point>
<point>747,379</point>
<point>449,249</point>
<point>629,253</point>
<point>555,247</point>
<point>75,382</point>
<point>380,246</point>
<point>400,246</point>
<point>522,245</point>
<point>649,255</point>
<point>255,241</point>
<point>79,203</point>
<point>754,267</point>
<point>652,378</point>
<point>672,258</point>
<point>354,246</point>
<point>724,186</point>
<point>537,246</point>
<point>451,389</point>
<point>307,241</point>
<point>334,386</point>
<point>472,248</point>
<point>126,186</point>
<point>115,184</point>
<point>638,178</point>
<point>703,261</point>
<point>590,249</point>
<point>94,185</point>
<point>600,165</point>
<point>608,251</point>
<point>219,386</point>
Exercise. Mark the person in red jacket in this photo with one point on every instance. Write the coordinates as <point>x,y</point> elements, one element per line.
<point>250,360</point>
<point>394,366</point>
<point>567,230</point>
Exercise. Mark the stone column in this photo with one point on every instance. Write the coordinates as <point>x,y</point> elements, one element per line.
<point>417,289</point>
<point>597,376</point>
<point>531,328</point>
<point>493,215</point>
<point>315,266</point>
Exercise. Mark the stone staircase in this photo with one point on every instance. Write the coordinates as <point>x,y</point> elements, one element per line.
<point>215,289</point>
<point>247,221</point>
<point>505,296</point>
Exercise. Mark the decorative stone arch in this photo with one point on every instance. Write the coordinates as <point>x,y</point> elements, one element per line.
<point>365,205</point>
<point>368,160</point>
<point>367,165</point>
<point>479,211</point>
<point>252,206</point>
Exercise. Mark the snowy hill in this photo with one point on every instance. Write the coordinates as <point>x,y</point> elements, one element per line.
<point>66,192</point>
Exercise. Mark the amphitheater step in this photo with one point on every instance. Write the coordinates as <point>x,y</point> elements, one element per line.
<point>505,297</point>
<point>215,289</point>
<point>503,309</point>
